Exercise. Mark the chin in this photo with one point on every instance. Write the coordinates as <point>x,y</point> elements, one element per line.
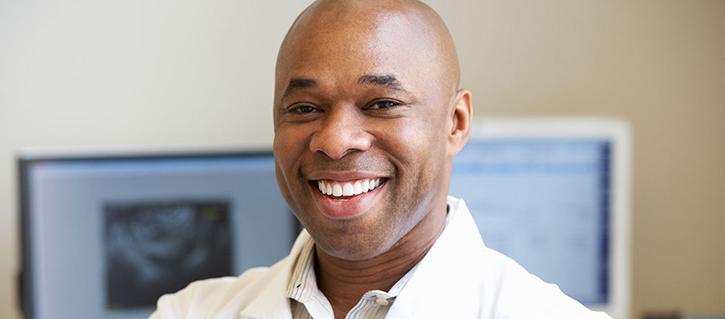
<point>355,247</point>
<point>353,253</point>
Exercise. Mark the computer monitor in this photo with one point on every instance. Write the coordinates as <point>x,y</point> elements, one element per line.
<point>553,194</point>
<point>105,236</point>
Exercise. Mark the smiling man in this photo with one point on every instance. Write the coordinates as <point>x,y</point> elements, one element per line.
<point>368,115</point>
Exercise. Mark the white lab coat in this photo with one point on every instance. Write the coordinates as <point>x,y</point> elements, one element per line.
<point>459,278</point>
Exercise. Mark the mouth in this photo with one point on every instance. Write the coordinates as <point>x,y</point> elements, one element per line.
<point>345,199</point>
<point>348,189</point>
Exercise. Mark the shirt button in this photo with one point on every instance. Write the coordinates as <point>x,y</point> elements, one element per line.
<point>380,301</point>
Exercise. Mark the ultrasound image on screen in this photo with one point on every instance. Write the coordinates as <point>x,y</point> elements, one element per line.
<point>153,248</point>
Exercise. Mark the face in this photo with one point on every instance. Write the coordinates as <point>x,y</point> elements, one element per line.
<point>361,134</point>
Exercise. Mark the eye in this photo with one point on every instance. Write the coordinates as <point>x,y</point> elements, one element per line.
<point>383,105</point>
<point>302,109</point>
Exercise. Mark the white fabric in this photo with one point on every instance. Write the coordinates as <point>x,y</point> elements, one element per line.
<point>459,278</point>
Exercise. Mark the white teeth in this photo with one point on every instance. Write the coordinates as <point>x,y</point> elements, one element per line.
<point>349,188</point>
<point>336,190</point>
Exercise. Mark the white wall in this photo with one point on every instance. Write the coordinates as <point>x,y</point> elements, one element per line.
<point>199,73</point>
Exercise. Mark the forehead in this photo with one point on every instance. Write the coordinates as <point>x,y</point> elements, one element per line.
<point>341,49</point>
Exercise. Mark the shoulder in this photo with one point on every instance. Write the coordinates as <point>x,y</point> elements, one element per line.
<point>226,297</point>
<point>220,297</point>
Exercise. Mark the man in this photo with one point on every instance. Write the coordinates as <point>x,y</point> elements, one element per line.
<point>368,116</point>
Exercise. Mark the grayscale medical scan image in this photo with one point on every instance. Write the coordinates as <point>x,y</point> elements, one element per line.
<point>153,248</point>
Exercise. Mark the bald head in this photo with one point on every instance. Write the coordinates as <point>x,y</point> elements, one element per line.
<point>355,26</point>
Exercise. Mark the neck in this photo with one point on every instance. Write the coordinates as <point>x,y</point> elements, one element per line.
<point>344,282</point>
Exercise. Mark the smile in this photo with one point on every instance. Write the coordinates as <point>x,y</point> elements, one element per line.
<point>348,188</point>
<point>343,196</point>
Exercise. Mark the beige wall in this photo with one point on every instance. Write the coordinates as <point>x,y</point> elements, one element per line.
<point>199,73</point>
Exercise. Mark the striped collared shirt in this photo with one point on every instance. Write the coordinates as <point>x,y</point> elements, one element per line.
<point>307,301</point>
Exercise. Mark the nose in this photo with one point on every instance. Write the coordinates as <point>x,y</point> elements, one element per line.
<point>341,132</point>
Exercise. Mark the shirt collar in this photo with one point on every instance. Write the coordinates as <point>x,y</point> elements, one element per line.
<point>303,282</point>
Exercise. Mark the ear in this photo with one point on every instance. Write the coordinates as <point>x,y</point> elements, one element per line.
<point>460,119</point>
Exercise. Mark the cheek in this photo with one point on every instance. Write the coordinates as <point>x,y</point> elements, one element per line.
<point>419,150</point>
<point>288,148</point>
<point>289,144</point>
<point>413,143</point>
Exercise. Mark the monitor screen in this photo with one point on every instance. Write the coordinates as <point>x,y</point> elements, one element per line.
<point>105,237</point>
<point>545,203</point>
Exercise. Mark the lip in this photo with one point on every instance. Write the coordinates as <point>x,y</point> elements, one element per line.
<point>346,207</point>
<point>342,176</point>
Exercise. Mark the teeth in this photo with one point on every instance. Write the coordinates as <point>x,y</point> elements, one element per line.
<point>336,190</point>
<point>348,188</point>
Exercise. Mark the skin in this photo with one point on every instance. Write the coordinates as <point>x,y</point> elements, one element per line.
<point>368,89</point>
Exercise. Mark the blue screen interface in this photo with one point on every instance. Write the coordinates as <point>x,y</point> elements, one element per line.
<point>545,203</point>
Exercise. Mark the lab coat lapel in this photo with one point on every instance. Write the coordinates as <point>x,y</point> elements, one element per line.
<point>446,275</point>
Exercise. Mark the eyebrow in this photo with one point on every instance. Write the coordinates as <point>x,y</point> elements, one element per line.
<point>296,84</point>
<point>386,80</point>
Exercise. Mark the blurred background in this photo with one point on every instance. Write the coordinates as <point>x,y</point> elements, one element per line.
<point>200,73</point>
